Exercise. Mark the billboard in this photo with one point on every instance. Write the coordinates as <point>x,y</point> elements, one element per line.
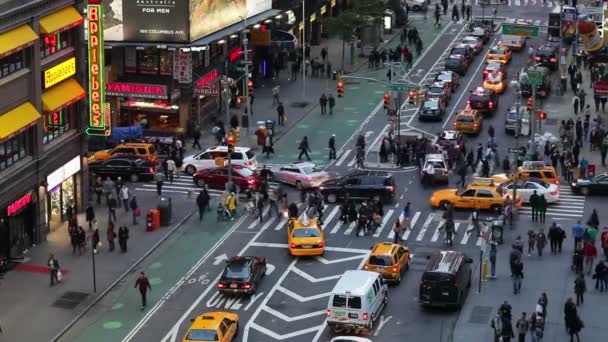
<point>148,21</point>
<point>163,20</point>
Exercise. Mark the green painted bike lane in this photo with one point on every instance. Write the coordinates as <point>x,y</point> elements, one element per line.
<point>360,99</point>
<point>116,314</point>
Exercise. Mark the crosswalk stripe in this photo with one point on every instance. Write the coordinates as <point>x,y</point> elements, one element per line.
<point>351,163</point>
<point>387,215</point>
<point>169,191</point>
<point>554,211</point>
<point>466,235</point>
<point>350,228</point>
<point>437,231</point>
<point>343,157</point>
<point>336,228</point>
<point>281,224</point>
<point>269,223</point>
<point>412,224</point>
<point>255,220</point>
<point>331,215</point>
<point>425,226</point>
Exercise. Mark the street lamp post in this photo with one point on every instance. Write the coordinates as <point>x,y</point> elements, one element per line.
<point>94,271</point>
<point>245,85</point>
<point>303,50</point>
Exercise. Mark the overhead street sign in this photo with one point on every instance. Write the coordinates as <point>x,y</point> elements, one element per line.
<point>520,30</point>
<point>400,87</point>
<point>535,77</point>
<point>514,150</point>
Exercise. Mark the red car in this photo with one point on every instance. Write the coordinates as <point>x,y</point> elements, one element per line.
<point>495,66</point>
<point>243,177</point>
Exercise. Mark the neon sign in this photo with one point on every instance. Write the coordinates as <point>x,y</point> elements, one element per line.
<point>60,72</point>
<point>99,123</point>
<point>210,77</point>
<point>235,54</point>
<point>19,204</point>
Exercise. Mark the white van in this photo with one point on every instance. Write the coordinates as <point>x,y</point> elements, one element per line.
<point>516,43</point>
<point>357,300</point>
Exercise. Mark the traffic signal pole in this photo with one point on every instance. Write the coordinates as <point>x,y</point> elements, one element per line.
<point>532,149</point>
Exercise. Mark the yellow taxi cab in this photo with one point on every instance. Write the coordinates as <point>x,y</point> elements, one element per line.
<point>213,326</point>
<point>500,54</point>
<point>495,81</point>
<point>531,169</point>
<point>468,121</point>
<point>388,259</point>
<point>143,150</point>
<point>305,237</point>
<point>482,193</point>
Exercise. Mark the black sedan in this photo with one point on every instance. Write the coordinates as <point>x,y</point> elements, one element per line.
<point>457,63</point>
<point>241,275</point>
<point>432,109</point>
<point>592,186</point>
<point>133,169</point>
<point>484,100</point>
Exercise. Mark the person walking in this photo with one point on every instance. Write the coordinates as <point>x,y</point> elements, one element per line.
<point>82,239</point>
<point>577,232</point>
<point>507,328</point>
<point>580,287</point>
<point>534,199</point>
<point>124,197</point>
<point>171,169</point>
<point>143,285</point>
<point>112,207</point>
<point>135,209</point>
<point>304,148</point>
<point>599,275</point>
<point>275,95</point>
<point>543,301</point>
<point>123,237</point>
<point>159,178</point>
<point>590,255</point>
<point>196,136</point>
<point>281,114</point>
<point>541,242</point>
<point>542,208</point>
<point>553,235</point>
<point>111,236</point>
<point>522,326</point>
<point>576,103</point>
<point>397,231</point>
<point>574,325</point>
<point>332,147</point>
<point>323,104</point>
<point>90,215</point>
<point>53,267</point>
<point>202,201</point>
<point>95,239</point>
<point>517,269</point>
<point>331,100</point>
<point>531,241</point>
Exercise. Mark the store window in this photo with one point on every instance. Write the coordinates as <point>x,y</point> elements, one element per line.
<point>14,63</point>
<point>147,61</point>
<point>166,62</point>
<point>54,43</point>
<point>12,150</point>
<point>58,123</point>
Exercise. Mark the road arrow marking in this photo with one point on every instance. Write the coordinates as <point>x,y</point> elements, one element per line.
<point>276,336</point>
<point>383,321</point>
<point>219,259</point>
<point>368,133</point>
<point>289,318</point>
<point>311,278</point>
<point>269,269</point>
<point>302,299</point>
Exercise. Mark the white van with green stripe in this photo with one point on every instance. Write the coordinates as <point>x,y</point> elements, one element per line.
<point>357,300</point>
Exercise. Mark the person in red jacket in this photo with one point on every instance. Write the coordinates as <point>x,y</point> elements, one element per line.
<point>590,255</point>
<point>143,285</point>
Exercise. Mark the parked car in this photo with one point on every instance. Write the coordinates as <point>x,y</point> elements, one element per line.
<point>301,174</point>
<point>133,169</point>
<point>243,178</point>
<point>207,159</point>
<point>360,185</point>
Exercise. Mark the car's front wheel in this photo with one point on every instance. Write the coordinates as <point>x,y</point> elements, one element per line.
<point>444,204</point>
<point>585,191</point>
<point>134,177</point>
<point>190,170</point>
<point>332,198</point>
<point>200,182</point>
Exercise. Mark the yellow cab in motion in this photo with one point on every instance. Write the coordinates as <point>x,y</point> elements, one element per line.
<point>305,237</point>
<point>500,54</point>
<point>144,150</point>
<point>531,169</point>
<point>468,121</point>
<point>482,193</point>
<point>388,259</point>
<point>495,81</point>
<point>213,326</point>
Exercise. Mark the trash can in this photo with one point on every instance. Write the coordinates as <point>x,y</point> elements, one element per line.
<point>152,220</point>
<point>165,208</point>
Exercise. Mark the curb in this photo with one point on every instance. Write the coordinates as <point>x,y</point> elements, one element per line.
<point>120,278</point>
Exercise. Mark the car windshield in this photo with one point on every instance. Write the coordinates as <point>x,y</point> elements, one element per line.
<point>437,277</point>
<point>459,51</point>
<point>436,90</point>
<point>541,183</point>
<point>202,335</point>
<point>381,260</point>
<point>544,52</point>
<point>246,172</point>
<point>237,271</point>
<point>306,232</point>
<point>444,77</point>
<point>465,118</point>
<point>497,51</point>
<point>494,78</point>
<point>311,169</point>
<point>453,61</point>
<point>469,41</point>
<point>431,104</point>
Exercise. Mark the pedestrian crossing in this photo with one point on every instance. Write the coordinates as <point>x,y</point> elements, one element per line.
<point>520,3</point>
<point>569,207</point>
<point>183,184</point>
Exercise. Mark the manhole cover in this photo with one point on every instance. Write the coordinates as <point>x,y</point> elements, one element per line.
<point>70,300</point>
<point>480,314</point>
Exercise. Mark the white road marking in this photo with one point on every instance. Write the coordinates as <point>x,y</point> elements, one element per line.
<point>294,318</point>
<point>336,227</point>
<point>437,231</point>
<point>406,235</point>
<point>425,226</point>
<point>350,228</point>
<point>387,215</point>
<point>331,215</point>
<point>466,235</point>
<point>311,278</point>
<point>281,224</point>
<point>343,157</point>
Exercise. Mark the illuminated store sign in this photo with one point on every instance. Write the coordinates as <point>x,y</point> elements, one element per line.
<point>60,72</point>
<point>19,204</point>
<point>147,91</point>
<point>99,123</point>
<point>208,78</point>
<point>69,169</point>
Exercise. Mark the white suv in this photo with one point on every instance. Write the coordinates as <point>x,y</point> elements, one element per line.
<point>206,160</point>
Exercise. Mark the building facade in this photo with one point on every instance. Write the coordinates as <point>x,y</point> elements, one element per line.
<point>41,114</point>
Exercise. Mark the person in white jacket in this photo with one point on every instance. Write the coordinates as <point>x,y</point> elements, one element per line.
<point>125,194</point>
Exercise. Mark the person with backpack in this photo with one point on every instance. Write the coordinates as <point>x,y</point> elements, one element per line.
<point>123,237</point>
<point>517,273</point>
<point>202,202</point>
<point>580,287</point>
<point>522,326</point>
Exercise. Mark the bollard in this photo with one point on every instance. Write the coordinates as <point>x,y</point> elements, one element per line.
<point>484,272</point>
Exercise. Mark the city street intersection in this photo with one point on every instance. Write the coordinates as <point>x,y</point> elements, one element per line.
<point>290,303</point>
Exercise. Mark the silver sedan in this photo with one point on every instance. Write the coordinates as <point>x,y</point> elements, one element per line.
<point>303,175</point>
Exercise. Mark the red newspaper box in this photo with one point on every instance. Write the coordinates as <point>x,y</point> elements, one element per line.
<point>152,220</point>
<point>591,170</point>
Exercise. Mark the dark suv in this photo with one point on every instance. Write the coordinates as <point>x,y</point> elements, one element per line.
<point>547,55</point>
<point>446,280</point>
<point>360,185</point>
<point>483,100</point>
<point>457,63</point>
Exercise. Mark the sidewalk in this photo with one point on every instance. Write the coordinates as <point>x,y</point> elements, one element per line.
<point>26,289</point>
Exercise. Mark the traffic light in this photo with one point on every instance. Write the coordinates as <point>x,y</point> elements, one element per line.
<point>411,98</point>
<point>541,114</point>
<point>418,96</point>
<point>340,87</point>
<point>239,100</point>
<point>387,101</point>
<point>235,134</point>
<point>530,104</point>
<point>250,88</point>
<point>230,142</point>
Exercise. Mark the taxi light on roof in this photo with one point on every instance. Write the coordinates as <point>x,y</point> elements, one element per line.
<point>533,164</point>
<point>482,181</point>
